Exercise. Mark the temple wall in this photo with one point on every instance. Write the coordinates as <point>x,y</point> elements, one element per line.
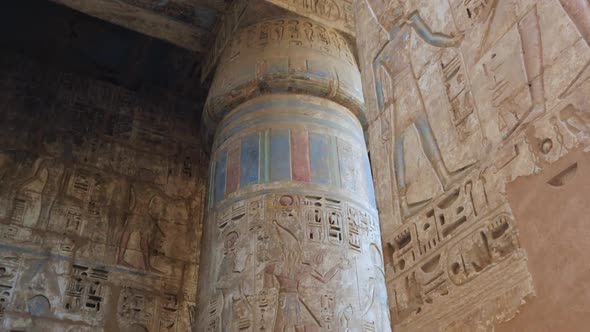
<point>462,99</point>
<point>101,195</point>
<point>552,212</point>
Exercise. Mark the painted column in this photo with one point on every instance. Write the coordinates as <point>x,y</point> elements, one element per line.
<point>291,241</point>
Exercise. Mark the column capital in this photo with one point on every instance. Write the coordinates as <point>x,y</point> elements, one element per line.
<point>287,54</point>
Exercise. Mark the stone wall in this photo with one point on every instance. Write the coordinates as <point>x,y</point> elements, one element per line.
<point>462,98</point>
<point>101,194</point>
<point>552,213</point>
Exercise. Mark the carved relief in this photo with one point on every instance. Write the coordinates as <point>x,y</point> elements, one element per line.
<point>334,13</point>
<point>303,243</point>
<point>23,178</point>
<point>291,33</point>
<point>107,180</point>
<point>9,269</point>
<point>512,73</point>
<point>145,210</point>
<point>459,94</point>
<point>86,291</point>
<point>436,273</point>
<point>403,101</point>
<point>136,307</point>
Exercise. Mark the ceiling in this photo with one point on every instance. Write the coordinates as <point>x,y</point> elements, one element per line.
<point>186,23</point>
<point>55,35</point>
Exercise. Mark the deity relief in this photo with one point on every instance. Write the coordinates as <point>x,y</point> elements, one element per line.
<point>22,180</point>
<point>296,283</point>
<point>145,209</point>
<point>288,273</point>
<point>399,96</point>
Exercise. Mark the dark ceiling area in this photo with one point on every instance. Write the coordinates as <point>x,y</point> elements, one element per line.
<point>57,36</point>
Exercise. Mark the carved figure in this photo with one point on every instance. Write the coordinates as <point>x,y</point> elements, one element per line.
<point>375,309</point>
<point>392,63</point>
<point>344,318</point>
<point>293,313</point>
<point>143,218</point>
<point>17,170</point>
<point>227,277</point>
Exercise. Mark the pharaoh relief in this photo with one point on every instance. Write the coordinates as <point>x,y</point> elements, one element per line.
<point>466,96</point>
<point>101,233</point>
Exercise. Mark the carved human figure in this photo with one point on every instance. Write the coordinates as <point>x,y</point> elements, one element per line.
<point>228,278</point>
<point>398,95</point>
<point>375,308</point>
<point>145,209</point>
<point>292,312</point>
<point>20,172</point>
<point>15,167</point>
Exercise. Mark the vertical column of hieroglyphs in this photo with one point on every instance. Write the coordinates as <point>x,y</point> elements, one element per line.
<point>100,205</point>
<point>464,96</point>
<point>292,235</point>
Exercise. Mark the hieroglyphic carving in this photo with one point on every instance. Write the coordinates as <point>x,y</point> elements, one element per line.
<point>136,306</point>
<point>403,101</point>
<point>558,133</point>
<point>168,312</point>
<point>9,268</point>
<point>508,88</point>
<point>333,13</point>
<point>312,240</point>
<point>459,93</point>
<point>144,308</point>
<point>23,178</point>
<point>481,249</point>
<point>524,67</point>
<point>65,192</point>
<point>290,32</point>
<point>85,290</point>
<point>435,274</point>
<point>145,209</point>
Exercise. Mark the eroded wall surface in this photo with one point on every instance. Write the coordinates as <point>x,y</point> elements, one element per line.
<point>101,193</point>
<point>552,212</point>
<point>462,98</point>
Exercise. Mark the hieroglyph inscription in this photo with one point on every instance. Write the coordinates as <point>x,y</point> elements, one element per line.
<point>400,97</point>
<point>9,269</point>
<point>291,33</point>
<point>336,14</point>
<point>85,291</point>
<point>306,247</point>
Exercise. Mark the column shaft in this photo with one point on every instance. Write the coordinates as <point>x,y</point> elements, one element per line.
<point>291,241</point>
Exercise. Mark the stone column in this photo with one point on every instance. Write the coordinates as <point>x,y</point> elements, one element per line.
<point>291,240</point>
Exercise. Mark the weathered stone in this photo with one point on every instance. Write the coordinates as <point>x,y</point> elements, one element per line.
<point>478,124</point>
<point>100,211</point>
<point>293,235</point>
<point>464,97</point>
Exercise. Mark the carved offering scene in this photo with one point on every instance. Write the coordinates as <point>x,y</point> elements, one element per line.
<point>102,176</point>
<point>467,102</point>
